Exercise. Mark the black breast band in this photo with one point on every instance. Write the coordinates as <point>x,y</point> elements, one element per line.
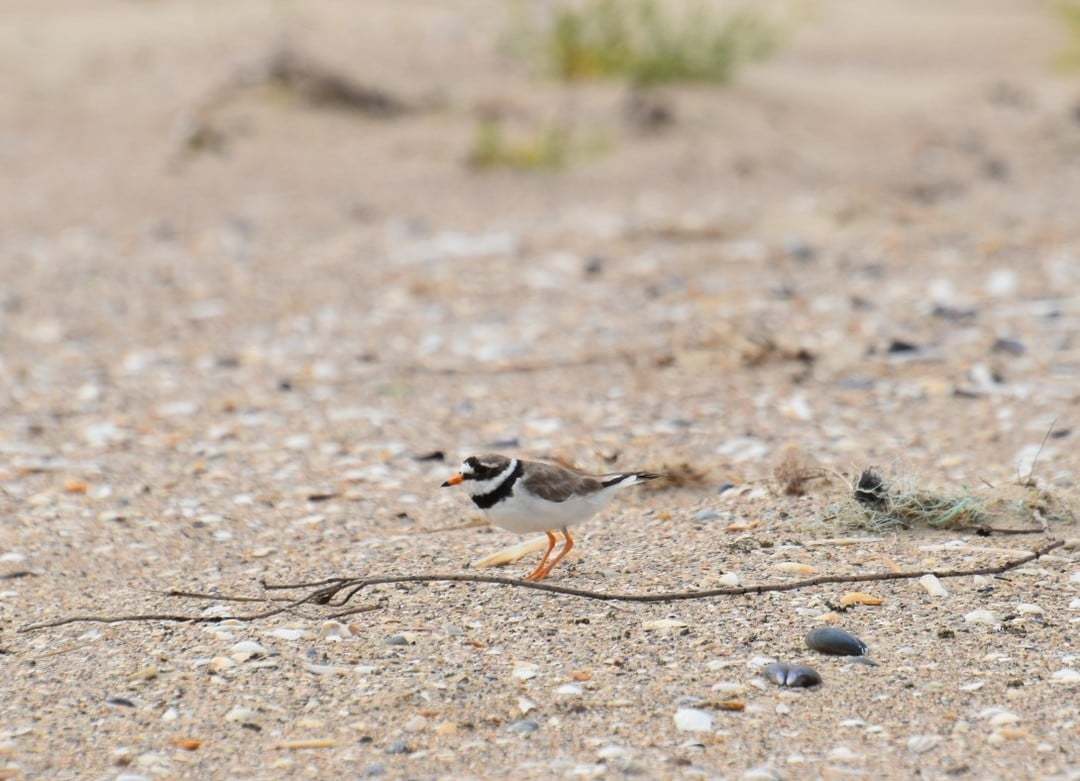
<point>501,491</point>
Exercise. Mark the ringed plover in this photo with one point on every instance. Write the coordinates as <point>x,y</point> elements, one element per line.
<point>531,496</point>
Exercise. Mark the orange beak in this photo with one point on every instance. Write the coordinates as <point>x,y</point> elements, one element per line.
<point>453,480</point>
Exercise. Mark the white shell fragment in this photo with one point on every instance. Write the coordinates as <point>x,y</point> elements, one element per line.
<point>693,720</point>
<point>933,586</point>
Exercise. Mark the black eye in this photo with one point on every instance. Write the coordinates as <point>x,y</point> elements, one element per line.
<point>472,463</point>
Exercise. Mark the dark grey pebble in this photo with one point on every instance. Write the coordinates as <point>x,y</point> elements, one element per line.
<point>1008,346</point>
<point>836,642</point>
<point>398,747</point>
<point>523,727</point>
<point>397,640</point>
<point>794,675</point>
<point>121,701</point>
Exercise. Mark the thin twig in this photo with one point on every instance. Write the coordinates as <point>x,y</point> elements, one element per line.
<point>328,589</point>
<point>1034,462</point>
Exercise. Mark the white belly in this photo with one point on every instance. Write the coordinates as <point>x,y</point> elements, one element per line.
<point>522,512</point>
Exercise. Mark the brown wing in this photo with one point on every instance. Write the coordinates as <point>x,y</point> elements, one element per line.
<point>556,483</point>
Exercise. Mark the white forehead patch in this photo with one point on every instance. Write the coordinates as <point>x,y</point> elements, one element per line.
<point>465,468</point>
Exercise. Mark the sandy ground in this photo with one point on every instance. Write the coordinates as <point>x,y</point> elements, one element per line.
<point>220,368</point>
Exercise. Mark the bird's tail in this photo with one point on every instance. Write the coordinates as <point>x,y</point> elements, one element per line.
<point>624,479</point>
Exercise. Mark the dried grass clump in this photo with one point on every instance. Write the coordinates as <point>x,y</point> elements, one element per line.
<point>795,471</point>
<point>677,476</point>
<point>880,506</point>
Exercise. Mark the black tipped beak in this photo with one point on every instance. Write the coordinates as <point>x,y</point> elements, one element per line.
<point>452,481</point>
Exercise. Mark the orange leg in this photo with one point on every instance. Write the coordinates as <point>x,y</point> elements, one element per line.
<point>551,546</point>
<point>565,549</point>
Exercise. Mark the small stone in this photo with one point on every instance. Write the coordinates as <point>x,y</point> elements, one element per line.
<point>241,714</point>
<point>836,642</point>
<point>247,649</point>
<point>986,617</point>
<point>920,744</point>
<point>524,671</point>
<point>220,664</point>
<point>416,724</point>
<point>122,702</point>
<point>446,728</point>
<point>398,747</point>
<point>728,579</point>
<point>1075,604</point>
<point>288,634</point>
<point>397,640</point>
<point>843,754</point>
<point>933,586</point>
<point>1003,717</point>
<point>763,773</point>
<point>792,675</point>
<point>1067,676</point>
<point>706,515</point>
<point>664,625</point>
<point>693,720</point>
<point>525,705</point>
<point>569,690</point>
<point>170,714</point>
<point>1028,609</point>
<point>612,751</point>
<point>523,727</point>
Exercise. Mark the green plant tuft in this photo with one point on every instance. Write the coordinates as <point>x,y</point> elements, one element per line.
<point>639,41</point>
<point>548,149</point>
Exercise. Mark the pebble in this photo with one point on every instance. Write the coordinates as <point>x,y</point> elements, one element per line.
<point>664,625</point>
<point>1029,609</point>
<point>763,773</point>
<point>399,747</point>
<point>1066,676</point>
<point>933,586</point>
<point>1075,604</point>
<point>792,675</point>
<point>289,634</point>
<point>987,617</point>
<point>920,744</point>
<point>240,713</point>
<point>706,515</point>
<point>220,664</point>
<point>397,640</point>
<point>835,642</point>
<point>693,720</point>
<point>416,724</point>
<point>247,649</point>
<point>525,705</point>
<point>524,671</point>
<point>843,754</point>
<point>523,727</point>
<point>569,690</point>
<point>728,579</point>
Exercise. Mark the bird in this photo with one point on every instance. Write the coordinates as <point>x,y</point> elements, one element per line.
<point>533,496</point>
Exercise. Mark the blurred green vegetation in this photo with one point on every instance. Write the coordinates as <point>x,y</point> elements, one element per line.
<point>550,148</point>
<point>1069,10</point>
<point>644,43</point>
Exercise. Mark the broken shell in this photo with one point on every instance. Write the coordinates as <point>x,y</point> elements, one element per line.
<point>793,675</point>
<point>836,642</point>
<point>859,598</point>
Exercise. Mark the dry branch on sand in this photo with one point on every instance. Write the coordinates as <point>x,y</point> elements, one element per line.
<point>338,592</point>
